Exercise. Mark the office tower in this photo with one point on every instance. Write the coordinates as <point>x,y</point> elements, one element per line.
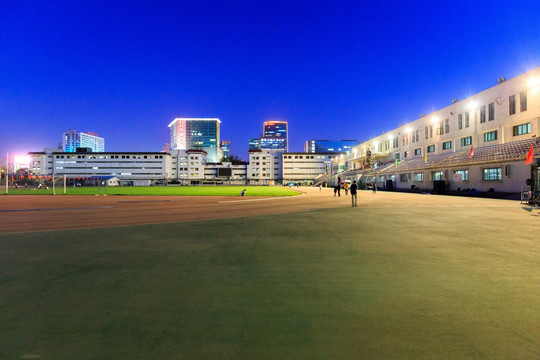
<point>226,148</point>
<point>255,144</point>
<point>329,146</point>
<point>276,129</point>
<point>73,140</point>
<point>197,134</point>
<point>273,143</point>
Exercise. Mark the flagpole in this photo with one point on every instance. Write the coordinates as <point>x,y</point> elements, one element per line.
<point>7,172</point>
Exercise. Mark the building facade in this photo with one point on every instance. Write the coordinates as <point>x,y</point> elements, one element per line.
<point>198,134</point>
<point>329,146</point>
<point>496,127</point>
<point>226,148</point>
<point>305,168</point>
<point>265,167</point>
<point>73,140</point>
<point>131,168</point>
<point>276,130</point>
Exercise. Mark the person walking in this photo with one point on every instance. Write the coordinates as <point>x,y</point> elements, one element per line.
<point>374,187</point>
<point>354,195</point>
<point>346,187</point>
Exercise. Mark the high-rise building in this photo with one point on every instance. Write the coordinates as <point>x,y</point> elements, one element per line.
<point>73,140</point>
<point>273,143</point>
<point>226,148</point>
<point>329,146</point>
<point>276,129</point>
<point>255,144</point>
<point>197,134</point>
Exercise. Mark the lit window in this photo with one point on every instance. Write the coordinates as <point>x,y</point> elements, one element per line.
<point>492,174</point>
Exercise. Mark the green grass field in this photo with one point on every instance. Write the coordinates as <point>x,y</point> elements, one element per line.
<point>164,191</point>
<point>365,283</point>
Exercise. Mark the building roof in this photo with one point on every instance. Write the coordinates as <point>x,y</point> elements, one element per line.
<point>98,153</point>
<point>194,119</point>
<point>305,153</point>
<point>512,151</point>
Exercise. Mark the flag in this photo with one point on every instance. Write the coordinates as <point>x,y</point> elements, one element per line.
<point>471,153</point>
<point>363,167</point>
<point>12,178</point>
<point>22,177</point>
<point>530,156</point>
<point>425,158</point>
<point>396,162</point>
<point>42,177</point>
<point>375,165</point>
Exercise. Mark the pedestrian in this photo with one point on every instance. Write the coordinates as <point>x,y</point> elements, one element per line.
<point>346,187</point>
<point>320,187</point>
<point>354,195</point>
<point>337,190</point>
<point>374,188</point>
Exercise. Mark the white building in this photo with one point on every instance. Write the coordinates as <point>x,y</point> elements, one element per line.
<point>188,165</point>
<point>499,124</point>
<point>129,167</point>
<point>304,167</point>
<point>226,173</point>
<point>264,167</point>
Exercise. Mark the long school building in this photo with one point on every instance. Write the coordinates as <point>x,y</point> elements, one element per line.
<point>478,143</point>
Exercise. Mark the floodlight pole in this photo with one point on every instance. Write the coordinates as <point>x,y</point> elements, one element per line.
<point>7,172</point>
<point>53,189</point>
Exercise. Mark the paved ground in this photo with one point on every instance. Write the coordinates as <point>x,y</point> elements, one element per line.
<point>403,276</point>
<point>38,213</point>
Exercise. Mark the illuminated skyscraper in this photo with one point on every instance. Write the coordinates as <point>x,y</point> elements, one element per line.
<point>73,139</point>
<point>197,134</point>
<point>329,146</point>
<point>276,129</point>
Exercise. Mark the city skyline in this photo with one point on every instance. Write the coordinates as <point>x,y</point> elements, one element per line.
<point>320,68</point>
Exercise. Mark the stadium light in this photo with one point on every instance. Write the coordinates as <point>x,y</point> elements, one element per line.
<point>533,82</point>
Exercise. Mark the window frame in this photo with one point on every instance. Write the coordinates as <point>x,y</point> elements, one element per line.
<point>498,175</point>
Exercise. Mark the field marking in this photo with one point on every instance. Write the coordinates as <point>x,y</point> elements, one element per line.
<point>144,201</point>
<point>55,209</point>
<point>273,198</point>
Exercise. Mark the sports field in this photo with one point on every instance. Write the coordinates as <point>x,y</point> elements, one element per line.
<point>403,276</point>
<point>160,191</point>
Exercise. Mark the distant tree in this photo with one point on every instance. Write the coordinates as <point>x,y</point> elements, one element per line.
<point>235,160</point>
<point>23,171</point>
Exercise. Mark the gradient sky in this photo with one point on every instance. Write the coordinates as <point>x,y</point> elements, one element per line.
<point>332,69</point>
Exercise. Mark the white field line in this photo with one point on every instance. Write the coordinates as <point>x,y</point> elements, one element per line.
<point>272,198</point>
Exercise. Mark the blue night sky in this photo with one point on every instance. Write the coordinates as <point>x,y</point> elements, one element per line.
<point>332,69</point>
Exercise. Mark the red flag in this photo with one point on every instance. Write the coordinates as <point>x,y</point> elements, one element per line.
<point>12,178</point>
<point>363,167</point>
<point>530,156</point>
<point>48,178</point>
<point>42,177</point>
<point>22,177</point>
<point>471,153</point>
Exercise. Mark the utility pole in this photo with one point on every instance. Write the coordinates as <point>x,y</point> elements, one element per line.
<point>7,172</point>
